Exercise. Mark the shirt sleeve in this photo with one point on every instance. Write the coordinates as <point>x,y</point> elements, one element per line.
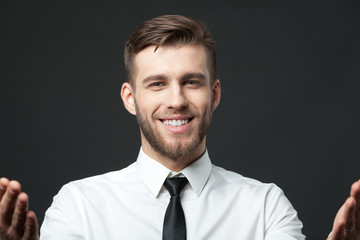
<point>63,219</point>
<point>281,221</point>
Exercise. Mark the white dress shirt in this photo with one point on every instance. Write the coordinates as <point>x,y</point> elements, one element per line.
<point>131,203</point>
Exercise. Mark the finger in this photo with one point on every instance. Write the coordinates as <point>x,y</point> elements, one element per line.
<point>8,202</point>
<point>4,182</point>
<point>31,227</point>
<point>349,214</point>
<point>19,216</point>
<point>355,193</point>
<point>337,232</point>
<point>355,190</point>
<point>343,220</point>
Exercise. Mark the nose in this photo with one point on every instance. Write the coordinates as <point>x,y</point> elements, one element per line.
<point>176,98</point>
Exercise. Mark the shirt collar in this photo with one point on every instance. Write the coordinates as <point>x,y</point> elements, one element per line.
<point>154,173</point>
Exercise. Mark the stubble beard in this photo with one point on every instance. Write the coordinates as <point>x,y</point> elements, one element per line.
<point>176,149</point>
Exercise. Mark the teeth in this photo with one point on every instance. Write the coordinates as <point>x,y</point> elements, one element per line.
<point>176,123</point>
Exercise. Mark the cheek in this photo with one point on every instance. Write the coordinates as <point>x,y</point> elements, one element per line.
<point>147,104</point>
<point>201,101</point>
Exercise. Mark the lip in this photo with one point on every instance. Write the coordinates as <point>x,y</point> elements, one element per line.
<point>182,117</point>
<point>179,129</point>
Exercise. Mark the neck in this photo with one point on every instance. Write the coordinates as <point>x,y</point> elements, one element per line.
<point>175,164</point>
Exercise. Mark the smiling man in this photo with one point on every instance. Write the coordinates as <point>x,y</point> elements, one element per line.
<point>174,99</point>
<point>172,191</point>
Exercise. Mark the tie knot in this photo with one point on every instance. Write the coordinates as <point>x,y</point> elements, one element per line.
<point>175,185</point>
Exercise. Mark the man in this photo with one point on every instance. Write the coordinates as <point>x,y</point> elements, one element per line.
<point>173,90</point>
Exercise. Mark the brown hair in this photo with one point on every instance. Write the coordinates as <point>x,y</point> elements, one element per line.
<point>168,30</point>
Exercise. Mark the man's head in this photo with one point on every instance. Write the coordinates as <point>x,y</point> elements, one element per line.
<point>168,30</point>
<point>176,90</point>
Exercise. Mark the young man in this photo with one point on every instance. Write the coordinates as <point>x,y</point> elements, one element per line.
<point>173,90</point>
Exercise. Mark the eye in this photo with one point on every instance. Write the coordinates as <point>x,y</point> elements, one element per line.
<point>190,82</point>
<point>193,83</point>
<point>157,84</point>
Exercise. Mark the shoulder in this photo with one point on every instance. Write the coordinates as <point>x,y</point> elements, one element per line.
<point>100,183</point>
<point>233,177</point>
<point>239,182</point>
<point>264,196</point>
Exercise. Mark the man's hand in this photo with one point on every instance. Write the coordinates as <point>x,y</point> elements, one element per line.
<point>16,221</point>
<point>347,220</point>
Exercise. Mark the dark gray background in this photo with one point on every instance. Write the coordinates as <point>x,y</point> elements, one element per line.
<point>289,112</point>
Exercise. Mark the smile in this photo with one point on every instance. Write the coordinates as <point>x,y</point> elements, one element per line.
<point>175,123</point>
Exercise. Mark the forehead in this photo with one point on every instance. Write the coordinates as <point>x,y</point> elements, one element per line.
<point>171,61</point>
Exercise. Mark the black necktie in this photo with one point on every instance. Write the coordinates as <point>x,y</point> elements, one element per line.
<point>174,221</point>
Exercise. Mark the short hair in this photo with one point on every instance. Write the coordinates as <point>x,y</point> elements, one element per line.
<point>168,30</point>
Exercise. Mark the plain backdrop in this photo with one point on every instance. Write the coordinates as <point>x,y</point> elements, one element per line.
<point>289,112</point>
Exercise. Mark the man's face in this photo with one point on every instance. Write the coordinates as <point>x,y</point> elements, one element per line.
<point>173,100</point>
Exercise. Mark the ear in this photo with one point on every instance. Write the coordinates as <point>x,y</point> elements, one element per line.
<point>216,94</point>
<point>127,95</point>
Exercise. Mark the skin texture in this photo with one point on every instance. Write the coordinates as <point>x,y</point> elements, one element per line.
<point>16,221</point>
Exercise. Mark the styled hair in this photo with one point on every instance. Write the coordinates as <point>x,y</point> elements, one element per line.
<point>168,30</point>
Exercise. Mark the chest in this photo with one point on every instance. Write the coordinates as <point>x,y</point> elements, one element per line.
<point>214,215</point>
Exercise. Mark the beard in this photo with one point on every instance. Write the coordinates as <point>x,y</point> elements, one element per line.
<point>176,149</point>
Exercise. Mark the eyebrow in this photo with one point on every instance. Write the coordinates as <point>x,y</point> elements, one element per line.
<point>199,76</point>
<point>154,77</point>
<point>186,76</point>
